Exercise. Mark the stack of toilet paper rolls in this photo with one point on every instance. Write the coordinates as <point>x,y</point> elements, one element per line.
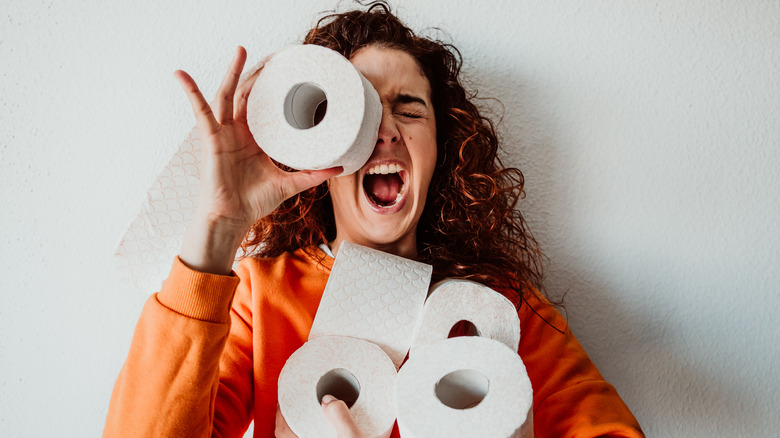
<point>373,312</point>
<point>465,386</point>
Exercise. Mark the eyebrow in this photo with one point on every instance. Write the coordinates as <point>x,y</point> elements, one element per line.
<point>406,98</point>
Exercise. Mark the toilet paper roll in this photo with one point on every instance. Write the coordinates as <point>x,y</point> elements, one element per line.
<point>375,296</point>
<point>450,301</point>
<point>464,387</point>
<point>301,85</point>
<point>355,371</point>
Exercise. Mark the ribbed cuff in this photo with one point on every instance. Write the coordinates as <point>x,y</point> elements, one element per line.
<point>206,297</point>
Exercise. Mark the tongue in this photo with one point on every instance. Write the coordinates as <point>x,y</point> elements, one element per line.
<point>383,188</point>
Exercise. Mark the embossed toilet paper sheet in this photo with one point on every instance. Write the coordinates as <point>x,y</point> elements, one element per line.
<point>154,237</point>
<point>375,296</point>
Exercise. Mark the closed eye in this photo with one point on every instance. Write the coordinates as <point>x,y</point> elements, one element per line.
<point>409,106</point>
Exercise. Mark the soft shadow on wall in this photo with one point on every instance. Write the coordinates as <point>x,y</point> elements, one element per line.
<point>629,334</point>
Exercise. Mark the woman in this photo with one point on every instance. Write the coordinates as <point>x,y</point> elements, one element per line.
<point>209,346</point>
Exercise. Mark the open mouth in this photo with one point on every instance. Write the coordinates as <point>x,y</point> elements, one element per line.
<point>384,184</point>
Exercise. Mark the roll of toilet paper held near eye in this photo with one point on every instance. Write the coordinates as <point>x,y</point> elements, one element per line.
<point>311,109</point>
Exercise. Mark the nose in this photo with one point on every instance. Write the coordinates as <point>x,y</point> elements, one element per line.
<point>388,130</point>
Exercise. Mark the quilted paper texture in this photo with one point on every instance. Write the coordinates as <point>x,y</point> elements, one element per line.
<point>147,249</point>
<point>375,296</point>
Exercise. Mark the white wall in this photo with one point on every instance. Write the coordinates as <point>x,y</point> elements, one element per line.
<point>648,131</point>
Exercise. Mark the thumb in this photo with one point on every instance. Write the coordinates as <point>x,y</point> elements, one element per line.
<point>337,412</point>
<point>306,179</point>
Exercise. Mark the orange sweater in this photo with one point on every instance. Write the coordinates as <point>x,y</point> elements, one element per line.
<point>207,352</point>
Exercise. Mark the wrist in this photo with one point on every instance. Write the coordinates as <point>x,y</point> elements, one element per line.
<point>210,246</point>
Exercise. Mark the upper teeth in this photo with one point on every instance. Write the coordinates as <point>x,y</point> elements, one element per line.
<point>384,169</point>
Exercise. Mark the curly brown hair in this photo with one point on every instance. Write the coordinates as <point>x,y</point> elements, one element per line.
<point>470,227</point>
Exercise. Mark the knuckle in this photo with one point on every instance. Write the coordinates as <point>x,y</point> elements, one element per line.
<point>205,109</point>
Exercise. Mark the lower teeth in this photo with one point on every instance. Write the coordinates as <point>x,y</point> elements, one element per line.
<point>387,203</point>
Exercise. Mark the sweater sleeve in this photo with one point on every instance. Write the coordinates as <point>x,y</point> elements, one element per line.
<point>169,382</point>
<point>571,398</point>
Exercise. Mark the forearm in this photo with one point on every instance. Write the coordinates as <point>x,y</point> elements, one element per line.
<point>210,246</point>
<point>169,381</point>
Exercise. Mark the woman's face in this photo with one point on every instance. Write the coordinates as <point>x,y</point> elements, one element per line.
<point>379,205</point>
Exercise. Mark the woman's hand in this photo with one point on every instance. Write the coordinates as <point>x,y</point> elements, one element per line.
<point>239,184</point>
<point>337,413</point>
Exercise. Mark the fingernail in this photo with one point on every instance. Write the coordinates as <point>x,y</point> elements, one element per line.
<point>327,399</point>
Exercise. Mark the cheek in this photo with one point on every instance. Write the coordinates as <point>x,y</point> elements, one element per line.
<point>424,154</point>
<point>427,159</point>
<point>339,187</point>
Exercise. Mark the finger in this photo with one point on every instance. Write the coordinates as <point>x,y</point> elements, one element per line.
<point>200,107</point>
<point>306,179</point>
<point>242,94</point>
<point>242,97</point>
<point>282,429</point>
<point>223,109</point>
<point>337,412</point>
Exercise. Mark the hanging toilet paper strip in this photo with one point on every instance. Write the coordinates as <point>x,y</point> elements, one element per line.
<point>146,249</point>
<point>352,370</point>
<point>312,109</point>
<point>375,296</point>
<point>452,300</point>
<point>464,387</point>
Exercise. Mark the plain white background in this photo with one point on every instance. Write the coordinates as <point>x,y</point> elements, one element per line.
<point>648,132</point>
